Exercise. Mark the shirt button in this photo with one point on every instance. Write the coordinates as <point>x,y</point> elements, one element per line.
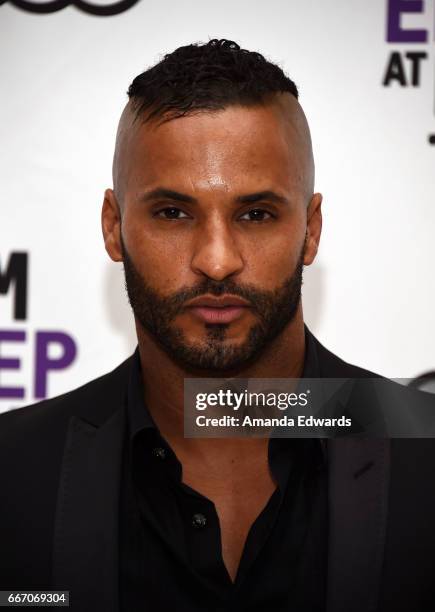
<point>160,453</point>
<point>199,521</point>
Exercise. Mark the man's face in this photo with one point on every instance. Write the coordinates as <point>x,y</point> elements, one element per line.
<point>214,205</point>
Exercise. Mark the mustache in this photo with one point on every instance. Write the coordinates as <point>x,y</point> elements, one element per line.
<point>176,302</point>
<point>216,289</point>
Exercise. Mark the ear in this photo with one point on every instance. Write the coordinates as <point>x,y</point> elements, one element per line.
<point>111,225</point>
<point>314,228</point>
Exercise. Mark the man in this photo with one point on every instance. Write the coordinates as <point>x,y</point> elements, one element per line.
<point>213,214</point>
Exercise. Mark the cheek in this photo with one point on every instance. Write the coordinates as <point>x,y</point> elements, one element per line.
<point>270,261</point>
<point>163,263</point>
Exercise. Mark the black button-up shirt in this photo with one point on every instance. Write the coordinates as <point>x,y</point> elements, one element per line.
<point>170,544</point>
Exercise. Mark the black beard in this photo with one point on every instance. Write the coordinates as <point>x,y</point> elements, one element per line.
<point>274,309</point>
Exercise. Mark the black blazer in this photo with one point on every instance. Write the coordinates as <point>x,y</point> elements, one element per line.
<point>60,468</point>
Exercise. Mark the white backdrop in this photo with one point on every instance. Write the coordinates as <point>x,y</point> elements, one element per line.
<point>369,297</point>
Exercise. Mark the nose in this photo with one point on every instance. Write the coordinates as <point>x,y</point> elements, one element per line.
<point>216,253</point>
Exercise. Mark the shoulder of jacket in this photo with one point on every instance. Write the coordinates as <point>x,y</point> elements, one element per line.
<point>93,399</point>
<point>333,366</point>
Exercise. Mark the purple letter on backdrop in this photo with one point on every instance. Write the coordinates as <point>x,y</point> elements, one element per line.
<point>11,364</point>
<point>43,362</point>
<point>394,31</point>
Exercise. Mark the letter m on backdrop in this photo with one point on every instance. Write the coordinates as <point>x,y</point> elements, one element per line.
<point>15,274</point>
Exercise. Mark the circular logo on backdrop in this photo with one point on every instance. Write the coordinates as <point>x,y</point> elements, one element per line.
<point>97,7</point>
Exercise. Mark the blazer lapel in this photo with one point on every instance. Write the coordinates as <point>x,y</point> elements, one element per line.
<point>358,494</point>
<point>85,553</point>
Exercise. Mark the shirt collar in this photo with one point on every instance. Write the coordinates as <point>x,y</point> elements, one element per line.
<point>138,413</point>
<point>312,370</point>
<point>311,361</point>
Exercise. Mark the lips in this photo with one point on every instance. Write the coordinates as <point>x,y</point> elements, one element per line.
<point>224,309</point>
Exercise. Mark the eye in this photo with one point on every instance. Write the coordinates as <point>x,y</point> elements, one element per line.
<point>256,214</point>
<point>170,212</point>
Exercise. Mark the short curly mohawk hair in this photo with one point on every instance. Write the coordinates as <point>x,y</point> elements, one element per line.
<point>208,76</point>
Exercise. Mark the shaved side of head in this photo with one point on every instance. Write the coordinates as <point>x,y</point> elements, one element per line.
<point>300,138</point>
<point>127,128</point>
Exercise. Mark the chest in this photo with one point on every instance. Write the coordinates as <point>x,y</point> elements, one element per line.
<point>238,503</point>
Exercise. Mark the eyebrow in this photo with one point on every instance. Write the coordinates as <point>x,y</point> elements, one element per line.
<point>251,198</point>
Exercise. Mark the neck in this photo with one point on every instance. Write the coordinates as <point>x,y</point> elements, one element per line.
<point>164,383</point>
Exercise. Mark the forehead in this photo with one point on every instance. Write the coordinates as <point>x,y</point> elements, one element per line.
<point>259,144</point>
